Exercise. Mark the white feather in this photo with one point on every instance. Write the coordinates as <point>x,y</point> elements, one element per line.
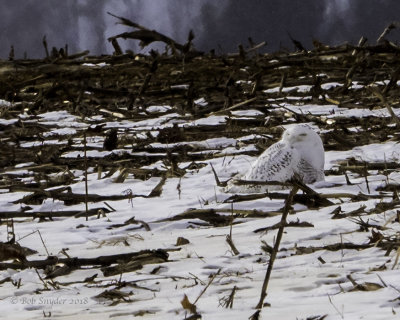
<point>300,152</point>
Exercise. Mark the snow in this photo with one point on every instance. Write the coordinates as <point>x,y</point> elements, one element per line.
<point>211,120</point>
<point>5,103</point>
<point>301,285</point>
<point>315,109</point>
<point>101,64</point>
<point>180,86</point>
<point>247,113</point>
<point>214,143</point>
<point>8,122</point>
<point>201,102</point>
<point>41,143</point>
<point>301,88</point>
<point>154,109</point>
<point>61,119</point>
<point>60,132</point>
<point>324,86</point>
<point>330,85</point>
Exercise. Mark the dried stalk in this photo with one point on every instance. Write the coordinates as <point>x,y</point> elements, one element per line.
<point>86,178</point>
<point>276,247</point>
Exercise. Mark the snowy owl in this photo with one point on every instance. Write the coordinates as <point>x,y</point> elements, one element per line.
<point>300,153</point>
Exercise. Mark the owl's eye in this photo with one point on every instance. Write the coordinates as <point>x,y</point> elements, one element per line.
<point>302,134</point>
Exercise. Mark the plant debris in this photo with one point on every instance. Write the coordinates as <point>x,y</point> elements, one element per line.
<point>142,146</point>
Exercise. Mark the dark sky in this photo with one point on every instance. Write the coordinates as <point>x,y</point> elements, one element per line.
<point>220,25</point>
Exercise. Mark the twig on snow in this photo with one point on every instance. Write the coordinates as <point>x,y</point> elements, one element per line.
<point>276,246</point>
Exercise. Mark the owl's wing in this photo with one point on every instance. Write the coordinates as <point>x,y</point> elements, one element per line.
<point>277,163</point>
<point>308,173</point>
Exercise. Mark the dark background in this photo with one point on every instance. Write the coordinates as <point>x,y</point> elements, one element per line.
<point>218,24</point>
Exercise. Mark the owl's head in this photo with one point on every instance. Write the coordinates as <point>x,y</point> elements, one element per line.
<point>301,134</point>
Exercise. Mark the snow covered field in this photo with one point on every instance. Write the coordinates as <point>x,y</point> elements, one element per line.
<point>337,261</point>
